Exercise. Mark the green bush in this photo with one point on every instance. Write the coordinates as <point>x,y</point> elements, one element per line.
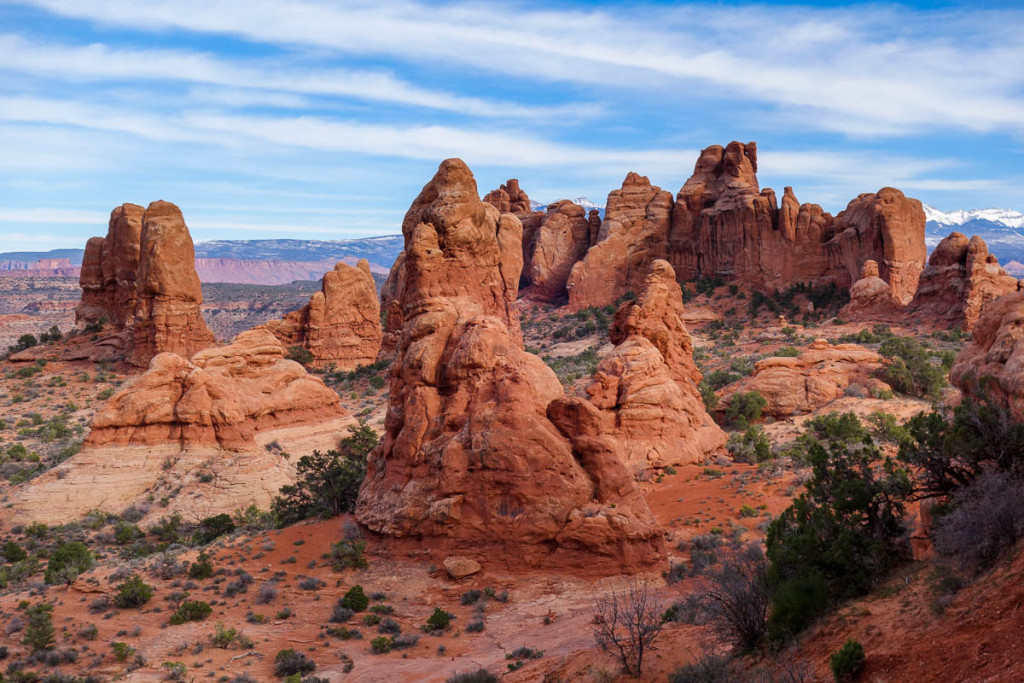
<point>381,645</point>
<point>191,610</point>
<point>745,408</point>
<point>719,378</point>
<point>847,662</point>
<point>122,651</point>
<point>439,620</point>
<point>67,562</point>
<point>846,526</point>
<point>478,676</point>
<point>327,484</point>
<point>752,446</point>
<point>300,355</point>
<point>202,568</point>
<point>911,370</point>
<point>289,662</point>
<point>347,554</point>
<point>39,634</point>
<point>212,528</point>
<point>133,592</point>
<point>795,605</point>
<point>126,532</point>
<point>355,599</point>
<point>12,552</point>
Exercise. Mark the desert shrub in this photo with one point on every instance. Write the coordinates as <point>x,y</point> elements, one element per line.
<point>266,593</point>
<point>67,562</point>
<point>847,662</point>
<point>133,592</point>
<point>478,676</point>
<point>347,554</point>
<point>627,624</point>
<point>986,520</point>
<point>39,633</point>
<point>311,583</point>
<point>735,598</point>
<point>213,528</point>
<point>438,621</point>
<point>126,532</point>
<point>12,552</point>
<point>787,352</point>
<point>289,662</point>
<point>472,596</point>
<point>911,370</point>
<point>475,626</point>
<point>796,603</point>
<point>750,446</point>
<point>710,668</point>
<point>327,484</point>
<point>300,355</point>
<point>745,407</point>
<point>836,426</point>
<point>719,378</point>
<point>202,568</point>
<point>708,396</point>
<point>355,599</point>
<point>381,645</point>
<point>847,524</point>
<point>168,529</point>
<point>884,426</point>
<point>191,610</point>
<point>340,614</point>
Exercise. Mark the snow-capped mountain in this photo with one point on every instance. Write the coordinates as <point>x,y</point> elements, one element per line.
<point>1002,230</point>
<point>588,204</point>
<point>1005,217</point>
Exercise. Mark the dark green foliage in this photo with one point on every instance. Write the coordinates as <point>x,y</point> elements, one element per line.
<point>24,341</point>
<point>355,599</point>
<point>381,645</point>
<point>707,394</point>
<point>347,554</point>
<point>300,355</point>
<point>67,562</point>
<point>827,300</point>
<point>52,334</point>
<point>439,620</point>
<point>327,484</point>
<point>212,528</point>
<point>133,592</point>
<point>745,408</point>
<point>289,662</point>
<point>752,446</point>
<point>202,568</point>
<point>796,603</point>
<point>845,527</point>
<point>126,532</point>
<point>847,662</point>
<point>191,610</point>
<point>39,634</point>
<point>13,552</point>
<point>911,370</point>
<point>719,378</point>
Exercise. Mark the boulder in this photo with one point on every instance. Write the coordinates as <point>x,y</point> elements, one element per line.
<point>167,318</point>
<point>871,297</point>
<point>469,457</point>
<point>224,396</point>
<point>991,366</point>
<point>821,374</point>
<point>340,325</point>
<point>461,567</point>
<point>961,278</point>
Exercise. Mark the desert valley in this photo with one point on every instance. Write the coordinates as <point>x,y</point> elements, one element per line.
<point>715,435</point>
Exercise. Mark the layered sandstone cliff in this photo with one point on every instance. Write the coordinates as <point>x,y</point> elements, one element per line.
<point>469,455</point>
<point>961,278</point>
<point>722,224</point>
<point>224,396</point>
<point>340,325</point>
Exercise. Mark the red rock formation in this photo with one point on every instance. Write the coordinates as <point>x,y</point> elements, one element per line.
<point>722,224</point>
<point>821,374</point>
<point>469,454</point>
<point>871,297</point>
<point>887,227</point>
<point>992,365</point>
<point>510,198</point>
<point>391,295</point>
<point>168,293</point>
<point>961,278</point>
<point>340,325</point>
<point>109,267</point>
<point>637,216</point>
<point>562,240</point>
<point>645,391</point>
<point>223,397</point>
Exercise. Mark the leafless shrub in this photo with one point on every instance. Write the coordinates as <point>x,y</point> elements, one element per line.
<point>988,518</point>
<point>736,596</point>
<point>626,623</point>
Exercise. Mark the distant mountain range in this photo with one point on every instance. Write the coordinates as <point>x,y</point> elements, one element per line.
<point>1002,230</point>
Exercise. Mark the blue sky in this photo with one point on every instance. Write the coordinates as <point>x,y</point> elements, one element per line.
<point>322,119</point>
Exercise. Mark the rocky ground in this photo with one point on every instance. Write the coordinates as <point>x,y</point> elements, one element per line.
<point>271,590</point>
